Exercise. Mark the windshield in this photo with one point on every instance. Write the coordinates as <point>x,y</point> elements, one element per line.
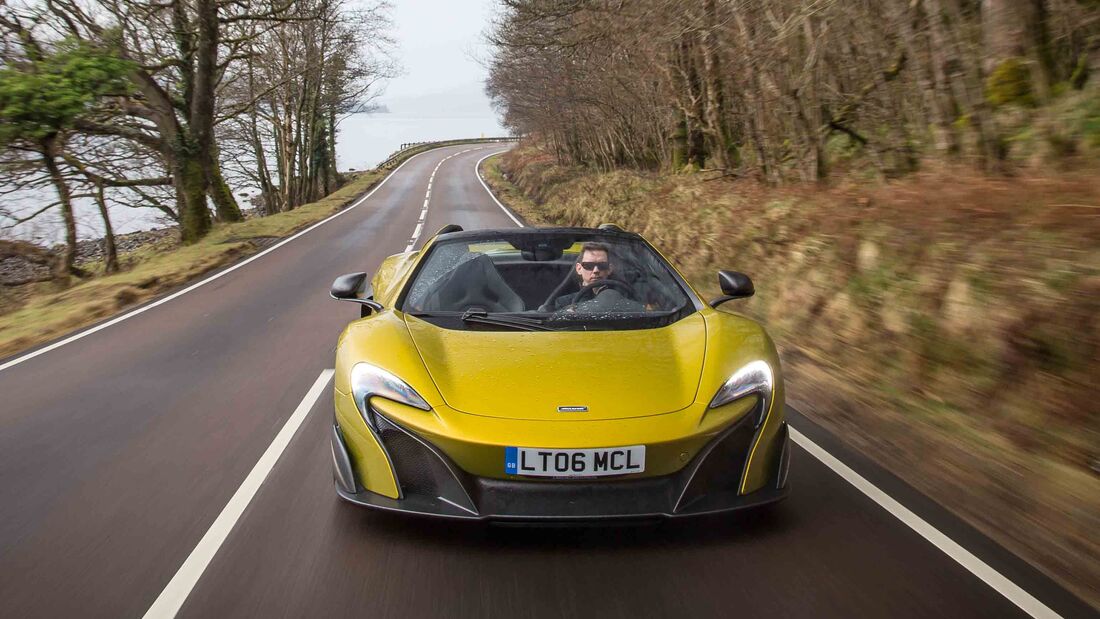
<point>556,280</point>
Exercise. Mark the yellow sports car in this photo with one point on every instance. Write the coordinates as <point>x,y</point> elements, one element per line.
<point>552,374</point>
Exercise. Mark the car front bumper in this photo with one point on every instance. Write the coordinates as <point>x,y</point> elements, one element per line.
<point>431,484</point>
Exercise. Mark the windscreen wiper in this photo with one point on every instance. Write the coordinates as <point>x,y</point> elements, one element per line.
<point>480,316</point>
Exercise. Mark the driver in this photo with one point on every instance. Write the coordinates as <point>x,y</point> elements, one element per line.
<point>593,265</point>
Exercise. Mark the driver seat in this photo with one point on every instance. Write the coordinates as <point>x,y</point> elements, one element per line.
<point>570,285</point>
<point>474,283</point>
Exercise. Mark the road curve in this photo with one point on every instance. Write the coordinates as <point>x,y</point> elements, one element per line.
<point>118,451</point>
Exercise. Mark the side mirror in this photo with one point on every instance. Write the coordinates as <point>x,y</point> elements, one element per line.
<point>350,287</point>
<point>735,285</point>
<point>346,287</point>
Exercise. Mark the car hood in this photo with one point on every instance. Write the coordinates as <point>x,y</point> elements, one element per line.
<point>529,374</point>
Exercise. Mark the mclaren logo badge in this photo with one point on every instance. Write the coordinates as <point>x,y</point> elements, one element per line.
<point>572,409</point>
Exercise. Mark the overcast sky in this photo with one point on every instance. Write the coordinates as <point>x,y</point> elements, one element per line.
<point>437,41</point>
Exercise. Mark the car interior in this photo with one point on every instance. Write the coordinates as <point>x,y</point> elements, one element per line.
<point>513,282</point>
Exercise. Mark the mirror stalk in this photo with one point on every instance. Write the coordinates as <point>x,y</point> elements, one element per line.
<point>735,285</point>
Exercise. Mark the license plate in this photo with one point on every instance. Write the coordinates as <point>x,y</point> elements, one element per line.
<point>574,462</point>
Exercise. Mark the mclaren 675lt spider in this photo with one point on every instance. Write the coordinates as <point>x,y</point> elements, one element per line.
<point>553,374</point>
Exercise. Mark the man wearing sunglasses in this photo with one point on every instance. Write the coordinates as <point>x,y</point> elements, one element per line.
<point>593,265</point>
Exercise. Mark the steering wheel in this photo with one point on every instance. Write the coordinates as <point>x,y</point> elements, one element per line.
<point>626,289</point>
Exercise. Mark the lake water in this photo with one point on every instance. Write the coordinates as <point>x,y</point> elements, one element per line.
<point>363,141</point>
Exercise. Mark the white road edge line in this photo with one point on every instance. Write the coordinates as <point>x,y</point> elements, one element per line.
<point>175,295</point>
<point>1010,590</point>
<point>171,599</point>
<point>477,173</point>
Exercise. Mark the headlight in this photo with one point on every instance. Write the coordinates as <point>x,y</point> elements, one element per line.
<point>755,378</point>
<point>368,381</point>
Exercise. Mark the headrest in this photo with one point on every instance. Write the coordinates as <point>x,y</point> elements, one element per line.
<point>475,282</point>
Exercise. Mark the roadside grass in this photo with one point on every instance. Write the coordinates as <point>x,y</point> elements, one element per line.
<point>946,324</point>
<point>510,194</point>
<point>48,312</point>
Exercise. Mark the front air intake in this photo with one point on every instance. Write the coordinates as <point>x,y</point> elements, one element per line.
<point>718,469</point>
<point>420,469</point>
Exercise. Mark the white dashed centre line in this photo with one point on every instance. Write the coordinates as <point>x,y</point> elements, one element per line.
<point>427,198</point>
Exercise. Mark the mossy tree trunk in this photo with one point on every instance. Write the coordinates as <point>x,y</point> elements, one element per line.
<point>66,263</point>
<point>692,100</point>
<point>195,221</point>
<point>110,249</point>
<point>1016,31</point>
<point>930,75</point>
<point>225,205</point>
<point>201,123</point>
<point>726,147</point>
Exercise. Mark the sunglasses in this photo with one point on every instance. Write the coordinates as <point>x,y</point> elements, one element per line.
<point>588,266</point>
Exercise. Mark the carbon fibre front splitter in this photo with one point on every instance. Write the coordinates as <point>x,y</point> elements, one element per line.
<point>582,502</point>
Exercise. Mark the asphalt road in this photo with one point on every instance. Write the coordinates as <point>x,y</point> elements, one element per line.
<point>118,451</point>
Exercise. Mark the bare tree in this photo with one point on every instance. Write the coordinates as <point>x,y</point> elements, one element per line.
<point>297,82</point>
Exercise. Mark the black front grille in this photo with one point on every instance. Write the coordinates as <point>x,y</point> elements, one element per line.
<point>576,499</point>
<point>419,469</point>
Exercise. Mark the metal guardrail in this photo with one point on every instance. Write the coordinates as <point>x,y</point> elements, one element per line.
<point>408,149</point>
